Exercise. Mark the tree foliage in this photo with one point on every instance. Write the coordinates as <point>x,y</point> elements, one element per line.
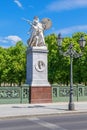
<point>59,66</point>
<point>13,62</point>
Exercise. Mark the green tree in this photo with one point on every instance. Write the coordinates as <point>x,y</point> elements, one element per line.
<point>17,63</point>
<point>52,57</point>
<point>80,63</point>
<point>3,53</point>
<point>13,62</point>
<point>58,65</point>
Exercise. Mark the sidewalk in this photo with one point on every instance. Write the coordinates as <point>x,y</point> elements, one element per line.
<point>23,110</point>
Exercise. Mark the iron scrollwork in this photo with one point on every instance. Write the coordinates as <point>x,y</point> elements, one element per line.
<point>9,93</point>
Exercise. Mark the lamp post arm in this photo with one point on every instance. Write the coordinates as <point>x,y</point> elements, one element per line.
<point>67,53</point>
<point>77,55</point>
<point>70,52</point>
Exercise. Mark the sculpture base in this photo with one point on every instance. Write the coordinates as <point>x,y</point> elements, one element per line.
<point>40,94</point>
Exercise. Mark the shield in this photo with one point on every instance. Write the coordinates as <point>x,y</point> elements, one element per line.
<point>46,23</point>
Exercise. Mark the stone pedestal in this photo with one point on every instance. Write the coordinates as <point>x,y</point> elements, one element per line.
<point>41,94</point>
<point>37,75</point>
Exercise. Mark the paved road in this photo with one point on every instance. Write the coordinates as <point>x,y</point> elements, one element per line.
<point>59,122</point>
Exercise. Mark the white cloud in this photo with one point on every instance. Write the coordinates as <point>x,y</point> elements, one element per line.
<point>9,40</point>
<point>66,5</point>
<point>13,39</point>
<point>18,3</point>
<point>70,30</point>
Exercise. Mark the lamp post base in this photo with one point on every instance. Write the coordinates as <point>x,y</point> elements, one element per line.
<point>71,106</point>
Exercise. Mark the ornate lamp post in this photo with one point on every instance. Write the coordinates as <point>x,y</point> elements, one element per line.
<point>72,54</point>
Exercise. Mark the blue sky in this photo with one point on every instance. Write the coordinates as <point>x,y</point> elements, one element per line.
<point>67,16</point>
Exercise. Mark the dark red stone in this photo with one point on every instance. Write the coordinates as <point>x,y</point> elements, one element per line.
<point>41,94</point>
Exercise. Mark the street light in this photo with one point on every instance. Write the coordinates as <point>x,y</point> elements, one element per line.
<point>72,54</point>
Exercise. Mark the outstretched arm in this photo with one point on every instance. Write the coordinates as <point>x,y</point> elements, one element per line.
<point>28,21</point>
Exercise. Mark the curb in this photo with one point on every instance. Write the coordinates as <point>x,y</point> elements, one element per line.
<point>40,115</point>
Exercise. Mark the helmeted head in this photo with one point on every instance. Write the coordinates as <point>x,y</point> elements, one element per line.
<point>36,20</point>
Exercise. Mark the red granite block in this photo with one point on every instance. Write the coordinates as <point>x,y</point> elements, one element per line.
<point>41,94</point>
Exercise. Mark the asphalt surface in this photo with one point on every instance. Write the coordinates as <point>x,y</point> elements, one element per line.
<point>53,122</point>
